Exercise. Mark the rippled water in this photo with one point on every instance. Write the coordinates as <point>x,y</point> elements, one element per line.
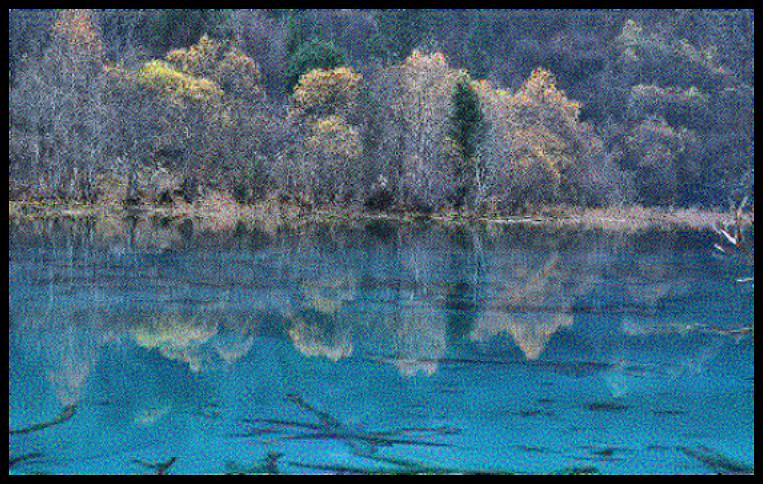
<point>144,347</point>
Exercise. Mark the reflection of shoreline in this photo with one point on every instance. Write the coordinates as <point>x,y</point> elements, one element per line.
<point>69,353</point>
<point>200,338</point>
<point>315,339</point>
<point>272,215</point>
<point>151,414</point>
<point>175,336</point>
<point>631,326</point>
<point>531,332</point>
<point>418,338</point>
<point>316,324</point>
<point>438,280</point>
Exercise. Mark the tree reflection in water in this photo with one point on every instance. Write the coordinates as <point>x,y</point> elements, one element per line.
<point>202,315</point>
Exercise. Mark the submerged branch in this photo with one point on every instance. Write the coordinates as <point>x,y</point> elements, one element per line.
<point>23,458</point>
<point>717,461</point>
<point>159,468</point>
<point>66,414</point>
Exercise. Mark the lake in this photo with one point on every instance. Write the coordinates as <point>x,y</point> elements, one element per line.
<point>158,346</point>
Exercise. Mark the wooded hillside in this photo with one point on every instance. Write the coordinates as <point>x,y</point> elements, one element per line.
<point>419,110</point>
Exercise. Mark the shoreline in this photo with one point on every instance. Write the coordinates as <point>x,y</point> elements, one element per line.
<point>223,214</point>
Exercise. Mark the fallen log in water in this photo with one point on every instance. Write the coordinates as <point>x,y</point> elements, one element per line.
<point>362,442</point>
<point>23,458</point>
<point>268,465</point>
<point>159,468</point>
<point>717,461</point>
<point>66,414</point>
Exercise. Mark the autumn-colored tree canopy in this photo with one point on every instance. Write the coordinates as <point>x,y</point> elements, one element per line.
<point>353,107</point>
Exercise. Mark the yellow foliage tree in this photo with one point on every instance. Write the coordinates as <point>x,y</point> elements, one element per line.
<point>200,59</point>
<point>545,133</point>
<point>535,137</point>
<point>332,135</point>
<point>177,86</point>
<point>539,146</point>
<point>327,91</point>
<point>324,103</point>
<point>66,95</point>
<point>333,148</point>
<point>539,101</point>
<point>234,71</point>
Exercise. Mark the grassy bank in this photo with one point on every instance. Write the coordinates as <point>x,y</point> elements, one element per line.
<point>218,212</point>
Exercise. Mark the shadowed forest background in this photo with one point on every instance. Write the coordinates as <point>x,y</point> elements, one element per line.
<point>417,110</point>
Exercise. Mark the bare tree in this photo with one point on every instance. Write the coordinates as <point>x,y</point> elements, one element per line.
<point>60,102</point>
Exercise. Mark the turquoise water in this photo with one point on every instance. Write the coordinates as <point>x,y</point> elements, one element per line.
<point>145,347</point>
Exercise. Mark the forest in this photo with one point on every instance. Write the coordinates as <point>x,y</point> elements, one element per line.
<point>478,111</point>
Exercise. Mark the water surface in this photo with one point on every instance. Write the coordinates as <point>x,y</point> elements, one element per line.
<point>156,346</point>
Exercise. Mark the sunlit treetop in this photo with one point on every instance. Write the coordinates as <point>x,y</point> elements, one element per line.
<point>235,72</point>
<point>483,87</point>
<point>419,59</point>
<point>334,136</point>
<point>540,90</point>
<point>239,74</point>
<point>321,91</point>
<point>178,85</point>
<point>200,59</point>
<point>315,54</point>
<point>426,85</point>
